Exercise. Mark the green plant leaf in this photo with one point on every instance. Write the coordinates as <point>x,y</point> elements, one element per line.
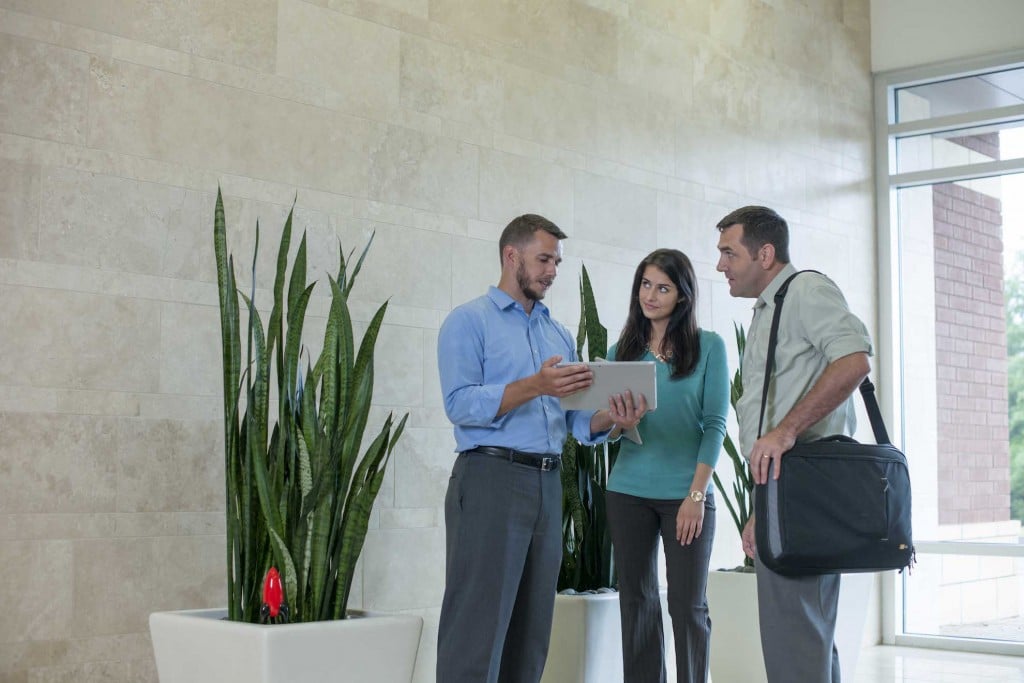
<point>359,399</point>
<point>289,501</point>
<point>275,333</point>
<point>365,486</point>
<point>597,334</point>
<point>320,562</point>
<point>293,347</point>
<point>230,364</point>
<point>297,281</point>
<point>347,285</point>
<point>739,500</point>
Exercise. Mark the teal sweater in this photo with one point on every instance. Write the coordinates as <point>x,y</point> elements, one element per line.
<point>687,428</point>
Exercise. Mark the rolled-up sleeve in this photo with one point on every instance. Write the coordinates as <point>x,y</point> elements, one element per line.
<point>460,353</point>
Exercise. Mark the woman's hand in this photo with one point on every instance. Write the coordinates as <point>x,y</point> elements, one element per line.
<point>624,412</point>
<point>689,521</point>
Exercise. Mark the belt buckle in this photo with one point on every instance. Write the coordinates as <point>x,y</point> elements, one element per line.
<point>548,464</point>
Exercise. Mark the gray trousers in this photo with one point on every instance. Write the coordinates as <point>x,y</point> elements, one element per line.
<point>797,615</point>
<point>635,525</point>
<point>503,526</point>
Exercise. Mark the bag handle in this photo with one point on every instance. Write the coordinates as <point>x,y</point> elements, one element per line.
<point>867,389</point>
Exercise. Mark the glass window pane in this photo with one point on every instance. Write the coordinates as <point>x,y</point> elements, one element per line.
<point>960,148</point>
<point>960,95</point>
<point>964,596</point>
<point>962,312</point>
<point>963,356</point>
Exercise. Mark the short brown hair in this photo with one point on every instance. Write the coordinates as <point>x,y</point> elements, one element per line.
<point>761,226</point>
<point>520,231</point>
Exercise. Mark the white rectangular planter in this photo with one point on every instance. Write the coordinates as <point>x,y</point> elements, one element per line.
<point>736,634</point>
<point>586,640</point>
<point>200,646</point>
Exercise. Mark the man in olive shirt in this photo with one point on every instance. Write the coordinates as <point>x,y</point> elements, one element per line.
<point>820,359</point>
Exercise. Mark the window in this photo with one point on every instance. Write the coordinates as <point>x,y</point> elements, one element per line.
<point>950,154</point>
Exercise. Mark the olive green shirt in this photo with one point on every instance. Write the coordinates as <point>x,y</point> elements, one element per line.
<point>816,329</point>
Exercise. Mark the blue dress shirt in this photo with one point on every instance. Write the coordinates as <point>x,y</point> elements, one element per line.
<point>488,343</point>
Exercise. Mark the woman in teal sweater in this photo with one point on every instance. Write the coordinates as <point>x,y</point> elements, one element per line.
<point>662,487</point>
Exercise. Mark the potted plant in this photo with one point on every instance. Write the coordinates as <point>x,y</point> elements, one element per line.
<point>741,502</point>
<point>586,633</point>
<point>586,542</point>
<point>298,494</point>
<point>586,642</point>
<point>732,593</point>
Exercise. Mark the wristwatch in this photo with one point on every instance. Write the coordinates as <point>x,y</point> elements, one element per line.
<point>697,496</point>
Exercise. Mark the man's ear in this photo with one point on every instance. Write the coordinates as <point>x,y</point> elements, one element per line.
<point>766,256</point>
<point>508,255</point>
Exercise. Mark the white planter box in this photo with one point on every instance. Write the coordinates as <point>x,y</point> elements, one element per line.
<point>586,640</point>
<point>736,635</point>
<point>199,646</point>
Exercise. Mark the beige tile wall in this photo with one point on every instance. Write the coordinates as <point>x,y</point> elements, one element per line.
<point>632,123</point>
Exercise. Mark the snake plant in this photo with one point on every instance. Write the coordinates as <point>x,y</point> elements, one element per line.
<point>298,493</point>
<point>741,502</point>
<point>586,543</point>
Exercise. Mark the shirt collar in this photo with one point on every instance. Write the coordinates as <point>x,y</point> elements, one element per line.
<point>504,301</point>
<point>768,294</point>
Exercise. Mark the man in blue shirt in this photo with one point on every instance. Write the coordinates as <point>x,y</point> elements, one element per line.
<point>498,357</point>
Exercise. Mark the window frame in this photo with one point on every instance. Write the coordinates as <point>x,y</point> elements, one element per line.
<point>890,359</point>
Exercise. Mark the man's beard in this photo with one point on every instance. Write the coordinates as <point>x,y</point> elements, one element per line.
<point>524,285</point>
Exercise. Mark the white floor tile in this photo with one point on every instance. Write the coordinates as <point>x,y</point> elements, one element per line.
<point>886,664</point>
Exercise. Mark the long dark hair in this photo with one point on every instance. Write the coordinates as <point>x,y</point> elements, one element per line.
<point>682,332</point>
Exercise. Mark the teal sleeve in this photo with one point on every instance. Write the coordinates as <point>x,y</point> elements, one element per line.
<point>715,402</point>
<point>611,352</point>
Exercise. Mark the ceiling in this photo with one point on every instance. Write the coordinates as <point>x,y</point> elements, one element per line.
<point>973,93</point>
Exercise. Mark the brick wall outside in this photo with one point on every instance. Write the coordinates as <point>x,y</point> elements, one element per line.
<point>974,456</point>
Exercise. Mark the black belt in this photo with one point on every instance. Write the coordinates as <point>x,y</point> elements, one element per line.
<point>542,461</point>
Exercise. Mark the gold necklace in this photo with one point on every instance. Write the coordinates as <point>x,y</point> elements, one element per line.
<point>664,358</point>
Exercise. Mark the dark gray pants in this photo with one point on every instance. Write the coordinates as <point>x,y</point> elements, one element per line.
<point>635,525</point>
<point>503,526</point>
<point>797,615</point>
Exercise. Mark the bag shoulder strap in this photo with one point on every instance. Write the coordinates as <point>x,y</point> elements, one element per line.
<point>867,389</point>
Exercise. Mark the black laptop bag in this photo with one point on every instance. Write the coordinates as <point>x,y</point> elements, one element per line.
<point>838,506</point>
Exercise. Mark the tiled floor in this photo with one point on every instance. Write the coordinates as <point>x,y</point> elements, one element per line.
<point>885,664</point>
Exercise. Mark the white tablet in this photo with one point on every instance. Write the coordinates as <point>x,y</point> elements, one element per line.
<point>616,378</point>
